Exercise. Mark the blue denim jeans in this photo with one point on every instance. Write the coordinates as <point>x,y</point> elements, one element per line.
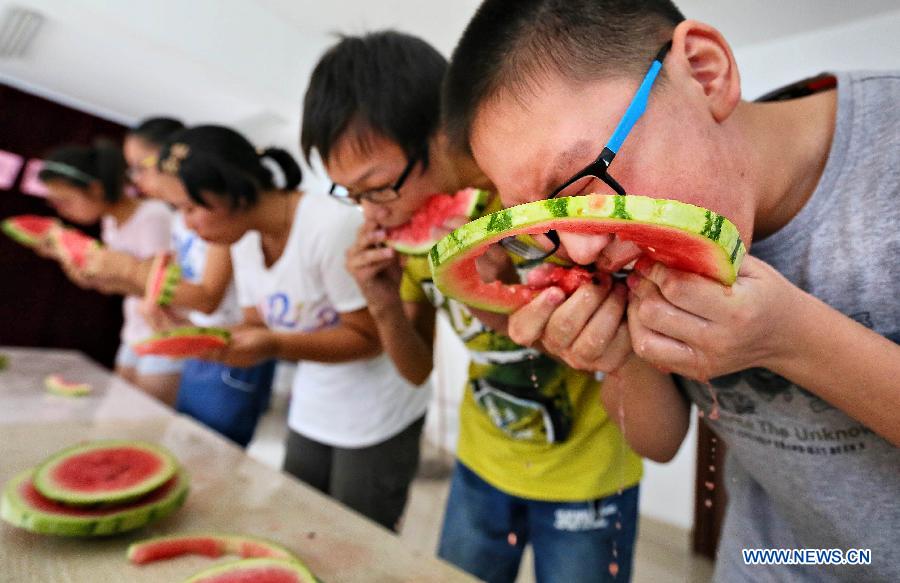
<point>225,399</point>
<point>486,530</point>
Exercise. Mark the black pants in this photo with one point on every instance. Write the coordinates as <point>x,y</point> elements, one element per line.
<point>372,480</point>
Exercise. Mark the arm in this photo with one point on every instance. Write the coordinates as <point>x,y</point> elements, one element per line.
<point>206,295</point>
<point>693,326</point>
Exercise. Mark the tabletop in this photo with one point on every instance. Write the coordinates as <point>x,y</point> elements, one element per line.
<point>230,492</point>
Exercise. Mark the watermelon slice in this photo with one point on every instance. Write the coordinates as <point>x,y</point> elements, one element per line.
<point>57,385</point>
<point>184,342</point>
<point>210,545</point>
<point>677,234</point>
<point>421,232</point>
<point>104,472</point>
<point>257,571</point>
<point>23,506</point>
<point>29,230</point>
<point>73,246</point>
<point>165,273</point>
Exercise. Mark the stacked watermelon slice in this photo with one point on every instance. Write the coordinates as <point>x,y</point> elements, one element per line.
<point>94,489</point>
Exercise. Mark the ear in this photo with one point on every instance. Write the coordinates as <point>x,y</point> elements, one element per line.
<point>710,64</point>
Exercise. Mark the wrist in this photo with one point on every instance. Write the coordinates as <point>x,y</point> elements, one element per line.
<point>787,340</point>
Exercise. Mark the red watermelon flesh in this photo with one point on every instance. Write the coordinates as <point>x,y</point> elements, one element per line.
<point>185,342</point>
<point>256,571</point>
<point>423,230</point>
<point>29,230</point>
<point>210,545</point>
<point>679,235</point>
<point>104,472</point>
<point>73,246</point>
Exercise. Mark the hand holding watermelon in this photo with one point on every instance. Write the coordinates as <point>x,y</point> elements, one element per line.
<point>249,345</point>
<point>375,267</point>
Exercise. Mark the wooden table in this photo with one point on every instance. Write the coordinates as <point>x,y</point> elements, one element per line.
<point>230,492</point>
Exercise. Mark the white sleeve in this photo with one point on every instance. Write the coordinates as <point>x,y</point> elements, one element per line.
<point>245,257</point>
<point>339,285</point>
<point>155,229</point>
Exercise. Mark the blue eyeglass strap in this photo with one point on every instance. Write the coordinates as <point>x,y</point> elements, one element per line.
<point>638,103</point>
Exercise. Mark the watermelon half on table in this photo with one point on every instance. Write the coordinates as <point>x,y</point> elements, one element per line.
<point>257,571</point>
<point>104,472</point>
<point>677,234</point>
<point>184,342</point>
<point>23,506</point>
<point>29,230</point>
<point>429,223</point>
<point>57,385</point>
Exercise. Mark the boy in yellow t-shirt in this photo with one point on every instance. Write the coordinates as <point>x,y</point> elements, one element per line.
<point>540,461</point>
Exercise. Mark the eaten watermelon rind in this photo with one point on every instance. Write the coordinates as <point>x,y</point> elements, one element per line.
<point>721,239</point>
<point>165,273</point>
<point>57,385</point>
<point>213,545</point>
<point>216,337</point>
<point>16,511</point>
<point>46,485</point>
<point>24,237</point>
<point>303,573</point>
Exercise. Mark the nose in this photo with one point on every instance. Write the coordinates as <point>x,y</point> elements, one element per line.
<point>583,249</point>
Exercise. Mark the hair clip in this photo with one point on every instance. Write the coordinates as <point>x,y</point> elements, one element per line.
<point>177,154</point>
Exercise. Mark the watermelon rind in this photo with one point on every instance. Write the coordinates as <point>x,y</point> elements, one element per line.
<point>22,236</point>
<point>165,273</point>
<point>46,485</point>
<point>247,567</point>
<point>59,386</point>
<point>477,201</point>
<point>155,344</point>
<point>720,239</point>
<point>212,545</point>
<point>18,512</point>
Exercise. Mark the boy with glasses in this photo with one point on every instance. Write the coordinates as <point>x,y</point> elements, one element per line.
<point>801,354</point>
<point>540,461</point>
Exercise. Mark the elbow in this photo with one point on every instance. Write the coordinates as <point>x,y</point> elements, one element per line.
<point>418,378</point>
<point>661,454</point>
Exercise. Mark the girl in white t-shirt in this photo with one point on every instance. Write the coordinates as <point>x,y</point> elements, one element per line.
<point>86,184</point>
<point>354,422</point>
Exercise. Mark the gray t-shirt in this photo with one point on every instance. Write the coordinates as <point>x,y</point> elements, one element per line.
<point>800,473</point>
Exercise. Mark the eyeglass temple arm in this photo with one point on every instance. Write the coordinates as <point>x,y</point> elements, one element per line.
<point>637,107</point>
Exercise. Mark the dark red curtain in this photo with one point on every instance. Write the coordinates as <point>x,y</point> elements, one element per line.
<point>38,304</point>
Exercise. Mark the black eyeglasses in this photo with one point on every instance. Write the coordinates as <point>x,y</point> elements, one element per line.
<point>598,169</point>
<point>376,195</point>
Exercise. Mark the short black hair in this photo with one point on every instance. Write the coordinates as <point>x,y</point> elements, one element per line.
<point>81,165</point>
<point>221,161</point>
<point>510,46</point>
<point>388,82</point>
<point>156,130</point>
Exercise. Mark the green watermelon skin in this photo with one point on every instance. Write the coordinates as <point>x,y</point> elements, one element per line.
<point>79,475</point>
<point>23,506</point>
<point>680,235</point>
<point>257,571</point>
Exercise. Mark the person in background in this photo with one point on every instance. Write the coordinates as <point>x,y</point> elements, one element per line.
<point>540,462</point>
<point>86,184</point>
<point>796,366</point>
<point>354,422</point>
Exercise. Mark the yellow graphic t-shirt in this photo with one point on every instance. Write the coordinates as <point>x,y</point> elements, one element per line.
<point>529,425</point>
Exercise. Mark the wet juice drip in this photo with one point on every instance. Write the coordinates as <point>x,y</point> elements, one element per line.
<point>620,412</point>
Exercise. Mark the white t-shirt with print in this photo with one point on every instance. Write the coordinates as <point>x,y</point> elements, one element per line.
<point>143,235</point>
<point>191,251</point>
<point>352,404</point>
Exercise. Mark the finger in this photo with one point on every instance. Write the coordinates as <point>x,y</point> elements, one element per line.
<point>692,293</point>
<point>369,257</point>
<point>656,313</point>
<point>661,351</point>
<point>596,335</point>
<point>618,351</point>
<point>526,325</point>
<point>568,320</point>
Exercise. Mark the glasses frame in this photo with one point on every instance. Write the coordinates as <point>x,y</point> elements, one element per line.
<point>599,168</point>
<point>375,195</point>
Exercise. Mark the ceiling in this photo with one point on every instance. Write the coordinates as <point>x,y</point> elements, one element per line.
<point>245,62</point>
